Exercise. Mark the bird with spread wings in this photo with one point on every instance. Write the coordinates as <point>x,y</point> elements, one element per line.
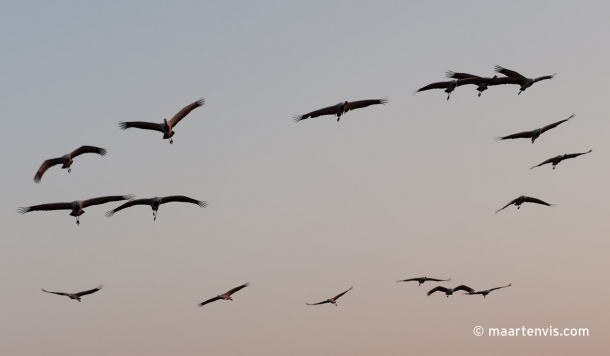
<point>556,160</point>
<point>332,300</point>
<point>77,296</point>
<point>226,296</point>
<point>156,202</point>
<point>484,293</point>
<point>534,134</point>
<point>523,199</point>
<point>421,280</point>
<point>482,83</point>
<point>520,79</point>
<point>341,108</point>
<point>66,160</point>
<point>450,291</point>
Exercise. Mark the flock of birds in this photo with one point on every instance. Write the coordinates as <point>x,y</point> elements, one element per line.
<point>167,128</point>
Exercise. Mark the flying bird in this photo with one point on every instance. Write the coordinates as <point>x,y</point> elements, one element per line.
<point>77,295</point>
<point>66,160</point>
<point>534,134</point>
<point>76,206</point>
<point>341,108</point>
<point>450,291</point>
<point>332,300</point>
<point>523,81</point>
<point>523,199</point>
<point>226,296</point>
<point>464,79</point>
<point>484,293</point>
<point>166,127</point>
<point>421,280</point>
<point>449,86</point>
<point>156,202</point>
<point>556,160</point>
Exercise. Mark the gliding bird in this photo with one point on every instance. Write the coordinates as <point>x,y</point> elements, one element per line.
<point>523,199</point>
<point>449,86</point>
<point>464,79</point>
<point>449,291</point>
<point>167,127</point>
<point>77,295</point>
<point>523,81</point>
<point>421,280</point>
<point>156,202</point>
<point>558,159</point>
<point>332,300</point>
<point>534,134</point>
<point>226,296</point>
<point>341,108</point>
<point>484,293</point>
<point>66,160</point>
<point>76,206</point>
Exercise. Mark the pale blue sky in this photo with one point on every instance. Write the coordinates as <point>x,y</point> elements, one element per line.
<point>303,211</point>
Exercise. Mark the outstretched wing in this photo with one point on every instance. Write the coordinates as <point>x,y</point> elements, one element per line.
<point>324,302</point>
<point>507,205</point>
<point>437,85</point>
<point>331,110</point>
<point>455,75</point>
<point>364,103</point>
<point>209,301</point>
<point>436,289</point>
<point>510,73</point>
<point>183,199</point>
<point>58,293</point>
<point>185,111</point>
<point>339,295</point>
<point>409,280</point>
<point>473,293</point>
<point>544,77</point>
<point>129,204</point>
<point>104,200</point>
<point>88,149</point>
<point>464,288</point>
<point>238,288</point>
<point>141,125</point>
<point>46,165</point>
<point>574,155</point>
<point>475,80</point>
<point>438,280</point>
<point>555,124</point>
<point>543,163</point>
<point>503,80</point>
<point>524,134</point>
<point>500,287</point>
<point>537,201</point>
<point>90,291</point>
<point>45,207</point>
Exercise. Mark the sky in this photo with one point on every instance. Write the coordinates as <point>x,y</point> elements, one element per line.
<point>303,211</point>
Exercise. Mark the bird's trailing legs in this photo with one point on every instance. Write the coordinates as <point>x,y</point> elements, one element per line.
<point>69,169</point>
<point>171,141</point>
<point>154,215</point>
<point>448,96</point>
<point>77,223</point>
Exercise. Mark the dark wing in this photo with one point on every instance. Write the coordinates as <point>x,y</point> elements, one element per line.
<point>141,125</point>
<point>436,289</point>
<point>209,301</point>
<point>524,134</point>
<point>339,295</point>
<point>500,287</point>
<point>129,204</point>
<point>409,280</point>
<point>45,207</point>
<point>331,110</point>
<point>503,80</point>
<point>473,293</point>
<point>187,109</point>
<point>464,288</point>
<point>46,165</point>
<point>183,199</point>
<point>437,85</point>
<point>438,280</point>
<point>104,200</point>
<point>90,291</point>
<point>505,206</point>
<point>454,75</point>
<point>510,73</point>
<point>574,155</point>
<point>324,302</point>
<point>537,201</point>
<point>88,149</point>
<point>543,163</point>
<point>555,124</point>
<point>58,293</point>
<point>364,103</point>
<point>475,80</point>
<point>544,77</point>
<point>238,288</point>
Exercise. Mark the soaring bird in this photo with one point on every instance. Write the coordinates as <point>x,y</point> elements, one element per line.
<point>523,81</point>
<point>484,293</point>
<point>66,160</point>
<point>449,291</point>
<point>226,296</point>
<point>341,108</point>
<point>449,86</point>
<point>421,280</point>
<point>76,206</point>
<point>167,127</point>
<point>464,79</point>
<point>332,300</point>
<point>156,202</point>
<point>523,199</point>
<point>534,134</point>
<point>77,295</point>
<point>556,160</point>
